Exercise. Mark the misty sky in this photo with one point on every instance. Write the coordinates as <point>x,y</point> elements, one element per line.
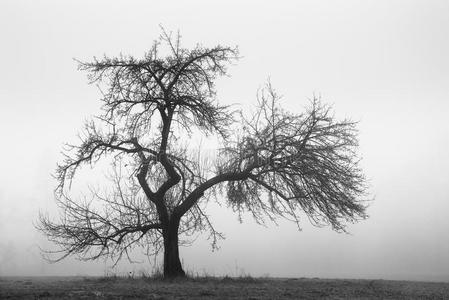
<point>383,63</point>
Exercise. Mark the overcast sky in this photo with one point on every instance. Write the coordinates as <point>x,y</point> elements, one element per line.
<point>383,63</point>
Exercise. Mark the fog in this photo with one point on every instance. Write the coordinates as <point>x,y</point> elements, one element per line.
<point>383,63</point>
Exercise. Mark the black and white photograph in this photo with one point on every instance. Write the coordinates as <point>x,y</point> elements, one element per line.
<point>224,149</point>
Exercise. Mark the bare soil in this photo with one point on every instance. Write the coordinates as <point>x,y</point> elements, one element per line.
<point>215,288</point>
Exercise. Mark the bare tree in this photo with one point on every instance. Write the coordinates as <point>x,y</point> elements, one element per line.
<point>272,163</point>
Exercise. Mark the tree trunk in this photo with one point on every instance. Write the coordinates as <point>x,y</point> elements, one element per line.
<point>172,264</point>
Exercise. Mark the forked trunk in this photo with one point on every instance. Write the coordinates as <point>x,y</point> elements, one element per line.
<point>172,264</point>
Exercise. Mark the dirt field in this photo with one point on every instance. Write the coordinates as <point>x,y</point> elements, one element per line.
<point>215,288</point>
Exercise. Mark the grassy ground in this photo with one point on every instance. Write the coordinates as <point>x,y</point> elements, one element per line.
<point>215,288</point>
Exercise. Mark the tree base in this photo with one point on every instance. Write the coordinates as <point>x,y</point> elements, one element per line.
<point>173,274</point>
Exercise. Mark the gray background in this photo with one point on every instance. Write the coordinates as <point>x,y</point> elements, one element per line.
<point>384,63</point>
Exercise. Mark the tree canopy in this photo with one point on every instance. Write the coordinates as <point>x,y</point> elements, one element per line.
<point>272,163</point>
